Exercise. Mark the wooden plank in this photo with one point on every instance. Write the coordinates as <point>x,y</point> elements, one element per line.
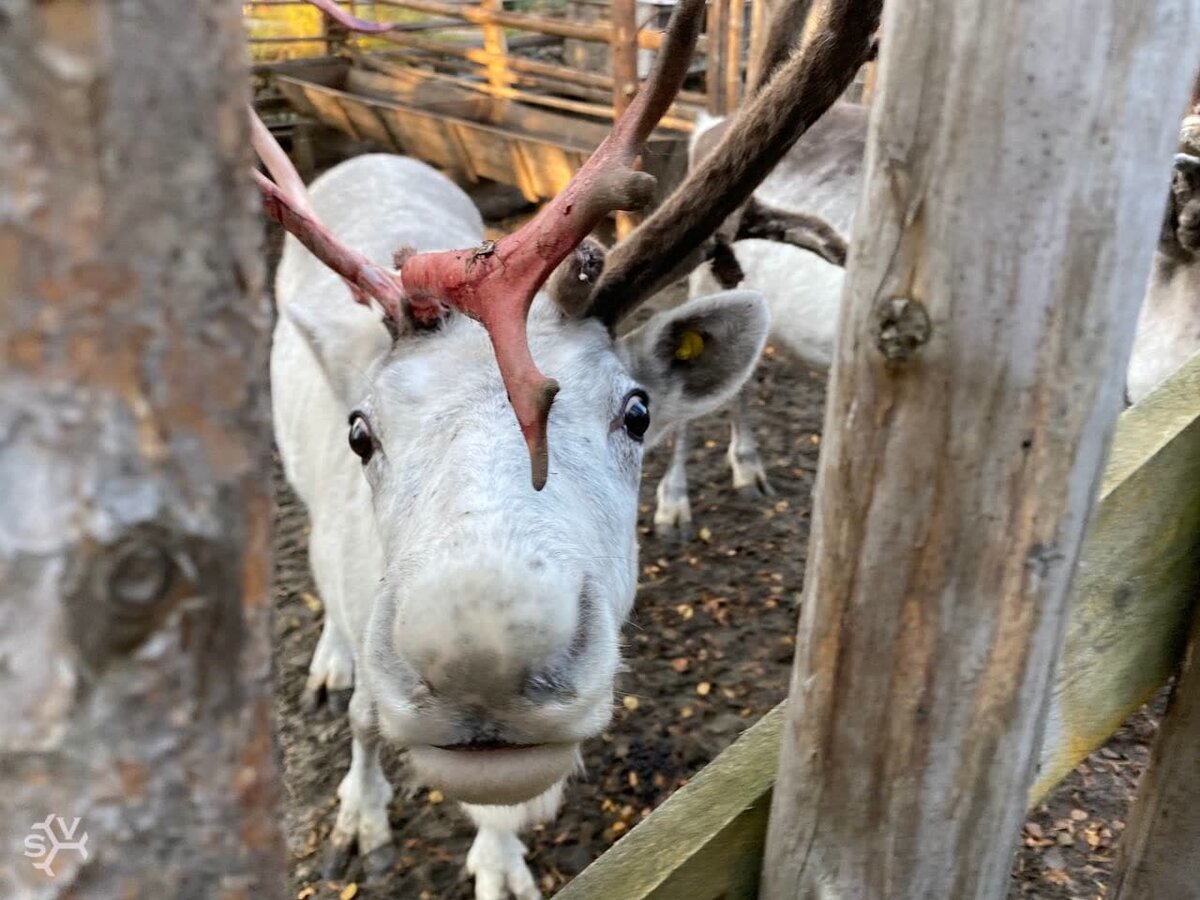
<point>496,47</point>
<point>705,842</point>
<point>602,32</point>
<point>760,19</point>
<point>715,58</point>
<point>1128,618</point>
<point>623,50</point>
<point>736,18</point>
<point>989,310</point>
<point>324,103</point>
<point>1152,467</point>
<point>1159,855</point>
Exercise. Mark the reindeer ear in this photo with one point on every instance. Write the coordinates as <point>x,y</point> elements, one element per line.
<point>345,339</point>
<point>694,358</point>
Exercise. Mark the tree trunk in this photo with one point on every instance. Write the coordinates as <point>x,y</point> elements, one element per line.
<point>135,511</point>
<point>1015,180</point>
<point>1159,856</point>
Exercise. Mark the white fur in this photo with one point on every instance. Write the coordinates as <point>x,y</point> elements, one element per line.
<point>1168,328</point>
<point>822,176</point>
<point>468,608</point>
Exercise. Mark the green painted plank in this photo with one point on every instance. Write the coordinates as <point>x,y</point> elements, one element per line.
<point>705,842</point>
<point>1139,576</point>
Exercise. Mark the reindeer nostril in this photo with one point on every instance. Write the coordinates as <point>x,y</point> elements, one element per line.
<point>550,686</point>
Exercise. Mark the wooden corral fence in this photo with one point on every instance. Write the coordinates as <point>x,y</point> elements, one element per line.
<point>943,683</point>
<point>516,92</point>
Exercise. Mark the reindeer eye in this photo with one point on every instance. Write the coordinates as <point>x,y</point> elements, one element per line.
<point>361,441</point>
<point>637,415</point>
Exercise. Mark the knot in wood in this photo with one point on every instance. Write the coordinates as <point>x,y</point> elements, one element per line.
<point>900,326</point>
<point>139,578</point>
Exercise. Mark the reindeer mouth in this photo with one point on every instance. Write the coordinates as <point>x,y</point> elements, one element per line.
<point>493,773</point>
<point>485,746</point>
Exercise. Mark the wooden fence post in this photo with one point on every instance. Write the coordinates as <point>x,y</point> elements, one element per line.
<point>136,751</point>
<point>1159,855</point>
<point>623,55</point>
<point>1015,183</point>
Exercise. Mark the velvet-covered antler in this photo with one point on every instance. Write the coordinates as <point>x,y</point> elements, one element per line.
<point>496,283</point>
<point>286,201</point>
<point>353,23</point>
<point>798,93</point>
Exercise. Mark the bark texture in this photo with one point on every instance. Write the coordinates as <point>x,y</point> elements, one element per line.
<point>134,507</point>
<point>1015,176</point>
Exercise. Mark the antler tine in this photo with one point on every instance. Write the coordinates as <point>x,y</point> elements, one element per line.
<point>496,283</point>
<point>286,201</point>
<point>762,133</point>
<point>346,20</point>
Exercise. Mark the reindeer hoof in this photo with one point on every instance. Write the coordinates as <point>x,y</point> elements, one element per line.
<point>757,488</point>
<point>337,862</point>
<point>380,861</point>
<point>679,531</point>
<point>339,701</point>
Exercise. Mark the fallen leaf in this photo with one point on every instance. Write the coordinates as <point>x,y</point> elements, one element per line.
<point>312,601</point>
<point>306,893</point>
<point>703,688</point>
<point>630,703</point>
<point>1079,815</point>
<point>705,534</point>
<point>436,797</point>
<point>1058,876</point>
<point>680,664</point>
<point>349,892</point>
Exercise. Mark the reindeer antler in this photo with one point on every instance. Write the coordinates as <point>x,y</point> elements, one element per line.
<point>496,283</point>
<point>346,20</point>
<point>797,95</point>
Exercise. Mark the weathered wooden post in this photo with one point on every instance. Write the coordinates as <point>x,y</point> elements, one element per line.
<point>1017,165</point>
<point>1159,856</point>
<point>136,755</point>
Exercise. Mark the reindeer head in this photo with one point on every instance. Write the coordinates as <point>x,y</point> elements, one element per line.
<point>491,645</point>
<point>1184,207</point>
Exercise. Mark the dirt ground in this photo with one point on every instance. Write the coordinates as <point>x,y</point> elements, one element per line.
<point>708,648</point>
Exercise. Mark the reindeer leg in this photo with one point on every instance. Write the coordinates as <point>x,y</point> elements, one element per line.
<point>497,857</point>
<point>364,795</point>
<point>331,672</point>
<point>673,515</point>
<point>749,476</point>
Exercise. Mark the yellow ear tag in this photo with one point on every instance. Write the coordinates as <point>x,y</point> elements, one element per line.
<point>690,346</point>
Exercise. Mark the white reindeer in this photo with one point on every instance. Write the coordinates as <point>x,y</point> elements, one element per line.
<point>820,179</point>
<point>476,617</point>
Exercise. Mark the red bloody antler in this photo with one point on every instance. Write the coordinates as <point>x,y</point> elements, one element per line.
<point>496,283</point>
